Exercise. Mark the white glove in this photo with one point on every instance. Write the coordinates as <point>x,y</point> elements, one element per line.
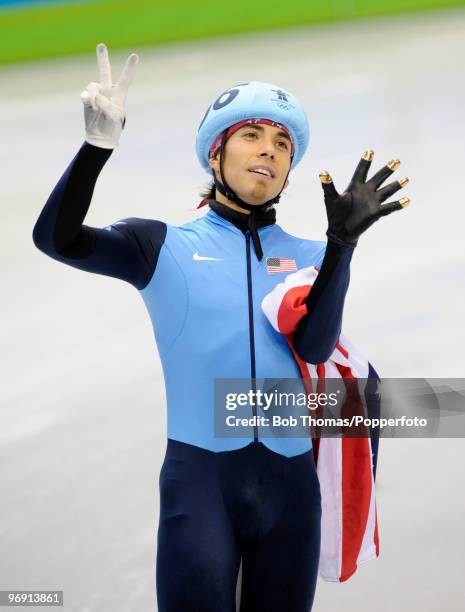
<point>104,113</point>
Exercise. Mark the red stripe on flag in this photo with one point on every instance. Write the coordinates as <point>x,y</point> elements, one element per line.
<point>356,460</point>
<point>342,350</point>
<point>292,308</point>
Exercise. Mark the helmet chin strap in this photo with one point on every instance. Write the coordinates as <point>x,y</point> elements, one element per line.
<point>226,190</point>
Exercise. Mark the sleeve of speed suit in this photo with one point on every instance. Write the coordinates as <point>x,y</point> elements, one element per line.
<point>319,330</point>
<point>127,249</point>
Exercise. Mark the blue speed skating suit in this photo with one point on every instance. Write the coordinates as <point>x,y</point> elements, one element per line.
<point>222,498</point>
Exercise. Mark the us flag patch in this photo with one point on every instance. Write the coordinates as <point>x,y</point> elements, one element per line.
<point>275,265</point>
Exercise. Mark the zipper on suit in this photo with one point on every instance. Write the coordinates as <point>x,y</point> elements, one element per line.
<point>251,327</point>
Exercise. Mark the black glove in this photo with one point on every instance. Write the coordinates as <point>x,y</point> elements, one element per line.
<point>351,213</point>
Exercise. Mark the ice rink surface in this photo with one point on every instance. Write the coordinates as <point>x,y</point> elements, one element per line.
<point>82,421</point>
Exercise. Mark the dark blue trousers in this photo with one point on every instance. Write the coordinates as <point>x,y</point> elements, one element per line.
<point>218,507</point>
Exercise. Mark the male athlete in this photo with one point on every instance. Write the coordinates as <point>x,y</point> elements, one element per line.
<point>224,499</point>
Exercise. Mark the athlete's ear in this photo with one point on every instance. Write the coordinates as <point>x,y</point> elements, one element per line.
<point>215,163</point>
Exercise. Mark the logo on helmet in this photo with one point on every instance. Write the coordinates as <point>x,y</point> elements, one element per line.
<point>282,100</point>
<point>281,94</point>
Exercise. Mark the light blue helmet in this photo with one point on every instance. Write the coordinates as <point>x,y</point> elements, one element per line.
<point>252,101</point>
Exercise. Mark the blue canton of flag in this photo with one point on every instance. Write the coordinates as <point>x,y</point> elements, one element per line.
<point>275,265</point>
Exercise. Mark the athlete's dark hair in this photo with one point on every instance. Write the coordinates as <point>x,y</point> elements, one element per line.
<point>209,191</point>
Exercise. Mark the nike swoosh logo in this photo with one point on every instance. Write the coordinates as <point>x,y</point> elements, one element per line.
<point>198,257</point>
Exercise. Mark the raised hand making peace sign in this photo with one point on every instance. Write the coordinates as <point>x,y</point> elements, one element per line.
<point>351,213</point>
<point>104,102</point>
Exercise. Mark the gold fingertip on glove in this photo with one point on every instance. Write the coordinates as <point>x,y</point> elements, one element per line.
<point>404,202</point>
<point>325,178</point>
<point>403,181</point>
<point>368,155</point>
<point>393,164</point>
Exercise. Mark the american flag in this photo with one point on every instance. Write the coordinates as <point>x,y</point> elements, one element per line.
<point>274,265</point>
<point>345,466</point>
